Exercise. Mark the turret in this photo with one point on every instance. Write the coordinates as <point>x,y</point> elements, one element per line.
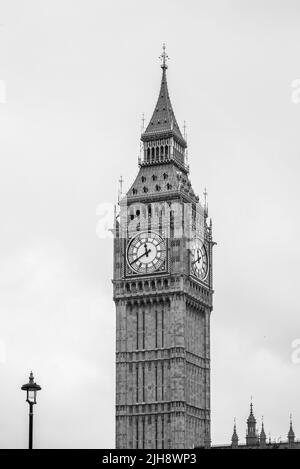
<point>251,436</point>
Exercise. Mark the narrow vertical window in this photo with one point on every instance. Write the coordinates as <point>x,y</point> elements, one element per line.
<point>156,433</point>
<point>137,433</point>
<point>137,329</point>
<point>160,223</point>
<point>172,223</point>
<point>162,431</point>
<point>149,216</point>
<point>162,328</point>
<point>137,383</point>
<point>156,381</point>
<point>162,382</point>
<point>156,326</point>
<point>144,384</point>
<point>143,325</point>
<point>143,435</point>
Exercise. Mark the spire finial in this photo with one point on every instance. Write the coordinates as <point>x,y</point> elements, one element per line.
<point>120,192</point>
<point>291,434</point>
<point>234,425</point>
<point>184,131</point>
<point>164,58</point>
<point>205,193</point>
<point>143,123</point>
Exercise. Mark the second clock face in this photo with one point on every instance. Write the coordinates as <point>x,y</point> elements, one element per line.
<point>146,252</point>
<point>199,259</point>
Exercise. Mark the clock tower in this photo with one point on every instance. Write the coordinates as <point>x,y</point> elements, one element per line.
<point>162,290</point>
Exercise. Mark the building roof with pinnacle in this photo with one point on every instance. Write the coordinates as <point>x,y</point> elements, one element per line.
<point>251,418</point>
<point>261,442</point>
<point>291,433</point>
<point>234,437</point>
<point>262,433</point>
<point>163,122</point>
<point>160,181</point>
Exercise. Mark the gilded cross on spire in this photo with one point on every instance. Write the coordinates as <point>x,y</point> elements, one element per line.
<point>164,58</point>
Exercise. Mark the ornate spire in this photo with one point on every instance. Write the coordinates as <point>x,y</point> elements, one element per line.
<point>164,58</point>
<point>291,434</point>
<point>234,438</point>
<point>262,433</point>
<point>262,436</point>
<point>163,123</point>
<point>205,194</point>
<point>251,437</point>
<point>251,418</point>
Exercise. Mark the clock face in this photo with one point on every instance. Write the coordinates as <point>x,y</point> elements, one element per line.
<point>199,259</point>
<point>146,252</point>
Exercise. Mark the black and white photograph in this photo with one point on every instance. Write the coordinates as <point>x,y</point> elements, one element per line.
<point>150,227</point>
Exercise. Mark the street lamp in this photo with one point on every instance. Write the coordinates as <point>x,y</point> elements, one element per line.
<point>31,389</point>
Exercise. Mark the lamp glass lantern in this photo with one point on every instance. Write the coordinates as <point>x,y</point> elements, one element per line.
<point>31,389</point>
<point>31,396</point>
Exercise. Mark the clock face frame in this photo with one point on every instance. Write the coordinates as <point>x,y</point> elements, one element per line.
<point>199,263</point>
<point>146,253</point>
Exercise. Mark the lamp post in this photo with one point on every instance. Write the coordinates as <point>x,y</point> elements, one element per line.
<point>31,389</point>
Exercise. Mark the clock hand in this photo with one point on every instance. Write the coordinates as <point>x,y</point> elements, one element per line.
<point>145,246</point>
<point>142,255</point>
<point>197,260</point>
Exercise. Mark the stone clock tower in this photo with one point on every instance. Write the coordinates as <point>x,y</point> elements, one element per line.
<point>163,295</point>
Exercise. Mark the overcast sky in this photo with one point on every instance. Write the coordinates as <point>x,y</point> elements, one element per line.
<point>76,78</point>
